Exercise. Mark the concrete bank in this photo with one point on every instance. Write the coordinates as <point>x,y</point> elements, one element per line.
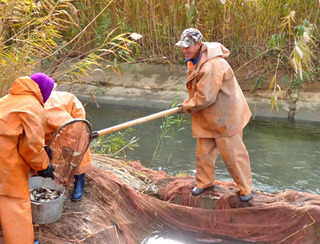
<point>158,86</point>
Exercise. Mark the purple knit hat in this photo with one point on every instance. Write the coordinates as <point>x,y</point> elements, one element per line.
<point>45,84</point>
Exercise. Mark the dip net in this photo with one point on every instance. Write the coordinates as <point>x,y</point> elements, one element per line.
<point>69,144</point>
<point>125,202</point>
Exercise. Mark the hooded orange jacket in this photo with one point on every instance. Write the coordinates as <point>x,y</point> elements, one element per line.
<point>216,101</point>
<point>22,122</point>
<point>62,107</point>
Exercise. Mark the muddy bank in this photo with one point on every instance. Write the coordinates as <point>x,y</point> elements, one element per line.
<point>159,85</point>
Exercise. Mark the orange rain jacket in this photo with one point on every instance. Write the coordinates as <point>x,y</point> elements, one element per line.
<point>62,107</point>
<point>216,101</point>
<point>22,122</point>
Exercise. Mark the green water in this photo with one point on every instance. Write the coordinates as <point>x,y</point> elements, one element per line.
<point>283,155</point>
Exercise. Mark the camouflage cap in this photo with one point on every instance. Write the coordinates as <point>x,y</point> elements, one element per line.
<point>189,36</point>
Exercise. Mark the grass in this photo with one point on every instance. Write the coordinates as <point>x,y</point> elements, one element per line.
<point>67,39</point>
<point>252,30</point>
<point>44,36</point>
<point>115,144</point>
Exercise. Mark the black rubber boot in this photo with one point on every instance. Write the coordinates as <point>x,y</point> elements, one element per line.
<point>36,241</point>
<point>79,184</point>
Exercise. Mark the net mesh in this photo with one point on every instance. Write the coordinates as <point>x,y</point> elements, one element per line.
<point>113,212</point>
<point>69,144</point>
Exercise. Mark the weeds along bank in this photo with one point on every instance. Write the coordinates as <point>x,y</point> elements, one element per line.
<point>273,43</point>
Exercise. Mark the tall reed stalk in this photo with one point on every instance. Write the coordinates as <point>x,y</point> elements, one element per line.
<point>45,35</point>
<point>244,26</point>
<point>95,30</point>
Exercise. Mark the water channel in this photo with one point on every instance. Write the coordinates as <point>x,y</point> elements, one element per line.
<point>283,155</point>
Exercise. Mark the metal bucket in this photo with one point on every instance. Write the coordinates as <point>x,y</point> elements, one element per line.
<point>50,211</point>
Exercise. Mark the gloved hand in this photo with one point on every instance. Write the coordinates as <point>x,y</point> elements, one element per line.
<point>49,151</point>
<point>181,108</point>
<point>47,173</point>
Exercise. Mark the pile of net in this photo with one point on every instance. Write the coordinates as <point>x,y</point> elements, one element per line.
<point>115,211</point>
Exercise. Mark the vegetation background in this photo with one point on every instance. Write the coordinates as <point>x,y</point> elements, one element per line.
<point>274,44</point>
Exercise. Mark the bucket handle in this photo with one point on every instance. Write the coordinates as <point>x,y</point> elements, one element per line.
<point>36,203</point>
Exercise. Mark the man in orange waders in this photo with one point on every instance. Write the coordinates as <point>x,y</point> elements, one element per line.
<point>62,107</point>
<point>219,113</point>
<point>22,122</point>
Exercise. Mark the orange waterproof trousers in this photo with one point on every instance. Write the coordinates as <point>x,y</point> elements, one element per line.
<point>16,220</point>
<point>85,164</point>
<point>234,155</point>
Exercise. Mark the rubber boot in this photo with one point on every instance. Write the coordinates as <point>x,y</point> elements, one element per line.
<point>246,198</point>
<point>79,184</point>
<point>197,191</point>
<point>36,241</point>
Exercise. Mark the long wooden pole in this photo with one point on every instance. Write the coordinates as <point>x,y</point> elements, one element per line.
<point>138,121</point>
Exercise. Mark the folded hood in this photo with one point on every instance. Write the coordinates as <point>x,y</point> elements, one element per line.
<point>215,49</point>
<point>25,86</point>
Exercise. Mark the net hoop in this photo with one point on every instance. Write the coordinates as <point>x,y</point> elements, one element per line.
<point>68,146</point>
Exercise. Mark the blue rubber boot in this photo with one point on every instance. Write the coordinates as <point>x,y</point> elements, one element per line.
<point>36,241</point>
<point>79,184</point>
<point>246,198</point>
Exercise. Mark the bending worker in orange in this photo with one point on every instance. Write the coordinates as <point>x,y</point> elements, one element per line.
<point>219,113</point>
<point>62,107</point>
<point>22,122</point>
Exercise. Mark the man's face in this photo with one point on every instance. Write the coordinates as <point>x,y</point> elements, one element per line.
<point>192,51</point>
